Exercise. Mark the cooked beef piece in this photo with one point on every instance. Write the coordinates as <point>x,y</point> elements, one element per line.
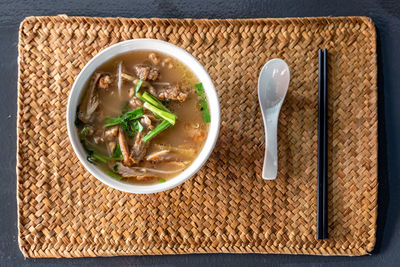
<point>90,101</point>
<point>153,57</point>
<point>138,173</point>
<point>139,148</point>
<point>105,81</point>
<point>162,155</point>
<point>111,147</point>
<point>195,133</point>
<point>147,73</point>
<point>124,147</point>
<point>173,92</point>
<point>111,133</point>
<point>98,139</point>
<point>146,121</point>
<point>135,102</point>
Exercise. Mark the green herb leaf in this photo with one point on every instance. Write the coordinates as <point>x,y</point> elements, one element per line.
<point>161,180</point>
<point>113,121</point>
<point>161,127</point>
<point>117,151</point>
<point>171,118</point>
<point>133,115</point>
<point>124,118</point>
<point>115,167</point>
<point>114,175</point>
<point>138,86</point>
<point>82,134</point>
<point>203,102</point>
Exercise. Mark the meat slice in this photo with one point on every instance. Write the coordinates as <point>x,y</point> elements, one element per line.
<point>139,148</point>
<point>143,173</point>
<point>146,72</point>
<point>137,173</point>
<point>135,102</point>
<point>111,147</point>
<point>105,81</point>
<point>111,133</point>
<point>154,58</point>
<point>124,147</point>
<point>162,155</point>
<point>90,100</point>
<point>146,121</point>
<point>173,92</point>
<point>194,132</point>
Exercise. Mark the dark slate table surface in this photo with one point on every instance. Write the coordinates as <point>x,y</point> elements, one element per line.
<point>385,14</point>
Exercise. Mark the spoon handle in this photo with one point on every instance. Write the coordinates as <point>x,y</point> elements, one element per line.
<point>270,167</point>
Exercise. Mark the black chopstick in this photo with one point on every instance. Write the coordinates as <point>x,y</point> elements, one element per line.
<point>322,207</point>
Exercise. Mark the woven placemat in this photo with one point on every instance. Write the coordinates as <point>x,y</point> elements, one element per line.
<point>227,207</point>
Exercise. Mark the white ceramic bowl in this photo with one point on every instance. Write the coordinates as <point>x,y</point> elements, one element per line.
<point>173,51</point>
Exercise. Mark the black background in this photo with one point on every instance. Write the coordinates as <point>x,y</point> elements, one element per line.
<point>385,14</point>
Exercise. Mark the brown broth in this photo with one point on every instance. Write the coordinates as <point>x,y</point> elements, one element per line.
<point>188,133</point>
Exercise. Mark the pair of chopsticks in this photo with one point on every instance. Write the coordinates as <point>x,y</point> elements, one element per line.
<point>322,207</point>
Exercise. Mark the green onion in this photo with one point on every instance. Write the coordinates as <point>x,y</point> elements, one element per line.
<point>161,180</point>
<point>117,151</point>
<point>82,134</point>
<point>171,118</point>
<point>131,115</point>
<point>138,86</point>
<point>115,158</point>
<point>128,77</point>
<point>149,98</point>
<point>114,175</point>
<point>99,157</point>
<point>203,102</point>
<point>90,159</point>
<point>161,127</point>
<point>140,127</point>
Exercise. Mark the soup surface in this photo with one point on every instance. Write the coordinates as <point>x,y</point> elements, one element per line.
<point>143,117</point>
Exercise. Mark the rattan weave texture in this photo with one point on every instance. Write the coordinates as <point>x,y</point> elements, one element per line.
<point>227,207</point>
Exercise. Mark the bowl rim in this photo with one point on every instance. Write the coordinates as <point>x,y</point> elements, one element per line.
<point>163,47</point>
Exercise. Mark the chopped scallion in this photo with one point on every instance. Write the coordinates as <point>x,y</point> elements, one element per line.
<point>128,77</point>
<point>149,98</point>
<point>203,102</point>
<point>138,86</point>
<point>99,157</point>
<point>161,127</point>
<point>114,175</point>
<point>171,118</point>
<point>140,127</point>
<point>161,180</point>
<point>82,134</point>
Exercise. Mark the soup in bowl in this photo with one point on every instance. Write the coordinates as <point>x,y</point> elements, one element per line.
<point>143,116</point>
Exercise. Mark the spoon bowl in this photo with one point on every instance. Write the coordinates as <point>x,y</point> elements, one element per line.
<point>273,84</point>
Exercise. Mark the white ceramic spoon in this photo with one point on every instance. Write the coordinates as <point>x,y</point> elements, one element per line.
<point>273,84</point>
